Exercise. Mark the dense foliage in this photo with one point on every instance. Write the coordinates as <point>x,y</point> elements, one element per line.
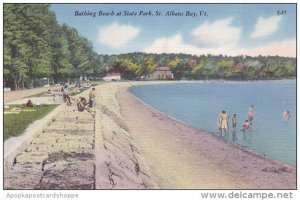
<point>190,67</point>
<point>37,47</point>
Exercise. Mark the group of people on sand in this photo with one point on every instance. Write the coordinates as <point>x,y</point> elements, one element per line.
<point>224,121</point>
<point>82,103</point>
<point>66,93</point>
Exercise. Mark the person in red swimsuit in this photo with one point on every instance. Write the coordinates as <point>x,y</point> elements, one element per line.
<point>246,126</point>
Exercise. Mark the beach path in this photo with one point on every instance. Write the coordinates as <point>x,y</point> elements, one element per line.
<point>20,94</point>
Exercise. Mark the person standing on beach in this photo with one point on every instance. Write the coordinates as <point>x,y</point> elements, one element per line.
<point>92,96</point>
<point>250,114</point>
<point>66,95</point>
<point>234,123</point>
<point>223,122</point>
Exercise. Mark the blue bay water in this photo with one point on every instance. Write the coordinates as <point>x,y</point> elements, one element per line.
<point>199,104</point>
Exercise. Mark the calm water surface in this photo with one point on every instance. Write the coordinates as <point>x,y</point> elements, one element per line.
<point>199,104</point>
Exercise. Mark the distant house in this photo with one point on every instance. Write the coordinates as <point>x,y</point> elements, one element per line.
<point>112,76</point>
<point>162,73</point>
<point>239,67</point>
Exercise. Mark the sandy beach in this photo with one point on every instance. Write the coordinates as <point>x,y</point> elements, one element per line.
<point>126,144</point>
<point>183,157</point>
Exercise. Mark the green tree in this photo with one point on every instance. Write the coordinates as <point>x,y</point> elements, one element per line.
<point>177,67</point>
<point>198,70</point>
<point>61,67</point>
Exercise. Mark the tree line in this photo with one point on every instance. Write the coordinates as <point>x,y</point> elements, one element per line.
<point>191,67</point>
<point>36,46</point>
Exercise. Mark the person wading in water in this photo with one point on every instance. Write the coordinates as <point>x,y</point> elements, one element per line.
<point>223,122</point>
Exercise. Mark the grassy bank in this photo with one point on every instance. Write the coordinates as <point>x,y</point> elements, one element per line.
<point>16,123</point>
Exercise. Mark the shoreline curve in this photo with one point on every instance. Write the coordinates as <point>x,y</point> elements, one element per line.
<point>241,169</point>
<point>211,133</point>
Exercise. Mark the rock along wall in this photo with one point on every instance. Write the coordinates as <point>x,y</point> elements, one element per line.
<point>61,156</point>
<point>119,164</point>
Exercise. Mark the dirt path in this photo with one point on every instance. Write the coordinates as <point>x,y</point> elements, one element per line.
<point>20,94</point>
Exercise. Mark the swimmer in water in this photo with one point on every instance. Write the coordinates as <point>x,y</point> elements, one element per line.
<point>250,114</point>
<point>246,126</point>
<point>234,122</point>
<point>286,115</point>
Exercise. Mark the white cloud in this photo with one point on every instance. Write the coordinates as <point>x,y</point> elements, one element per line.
<point>265,26</point>
<point>282,48</point>
<point>217,33</point>
<point>173,44</point>
<point>176,44</point>
<point>117,35</point>
<point>220,37</point>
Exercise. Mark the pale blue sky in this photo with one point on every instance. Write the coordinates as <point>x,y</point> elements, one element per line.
<point>229,28</point>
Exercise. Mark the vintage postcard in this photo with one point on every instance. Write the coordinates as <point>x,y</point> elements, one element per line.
<point>149,96</point>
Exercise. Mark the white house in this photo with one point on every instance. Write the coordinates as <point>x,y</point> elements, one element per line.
<point>112,76</point>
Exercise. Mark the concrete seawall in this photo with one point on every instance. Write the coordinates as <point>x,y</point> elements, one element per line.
<point>125,144</point>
